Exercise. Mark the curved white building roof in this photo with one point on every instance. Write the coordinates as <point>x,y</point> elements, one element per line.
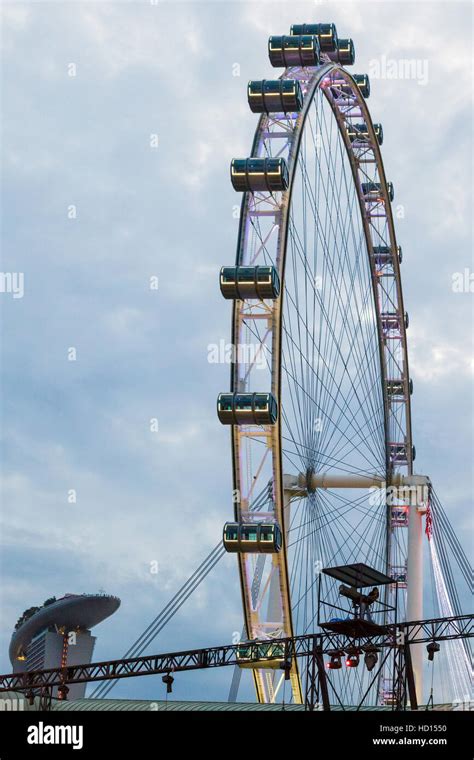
<point>73,611</point>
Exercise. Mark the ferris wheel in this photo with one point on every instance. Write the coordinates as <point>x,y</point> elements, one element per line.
<point>319,401</point>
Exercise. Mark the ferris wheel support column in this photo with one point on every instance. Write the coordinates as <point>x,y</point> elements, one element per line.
<point>415,573</point>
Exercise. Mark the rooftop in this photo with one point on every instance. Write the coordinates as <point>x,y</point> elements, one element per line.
<point>71,612</point>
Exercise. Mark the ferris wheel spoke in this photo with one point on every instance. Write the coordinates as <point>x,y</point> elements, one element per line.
<point>356,430</point>
<point>359,529</point>
<point>336,464</point>
<point>356,505</point>
<point>332,554</point>
<point>378,424</point>
<point>348,300</point>
<point>312,337</point>
<point>352,421</point>
<point>352,345</point>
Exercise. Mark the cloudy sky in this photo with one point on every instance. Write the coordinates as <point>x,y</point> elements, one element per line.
<point>120,120</point>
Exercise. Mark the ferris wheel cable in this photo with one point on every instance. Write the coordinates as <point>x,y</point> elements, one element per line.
<point>338,451</point>
<point>293,226</point>
<point>334,398</point>
<point>340,514</point>
<point>374,550</point>
<point>463,565</point>
<point>347,299</point>
<point>335,463</point>
<point>341,410</point>
<point>328,318</point>
<point>447,581</point>
<point>168,612</point>
<point>307,593</point>
<point>455,545</point>
<point>457,657</point>
<point>327,438</point>
<point>371,420</point>
<point>170,609</point>
<point>289,456</point>
<point>332,551</point>
<point>200,572</point>
<point>316,215</point>
<point>173,611</point>
<point>367,380</point>
<point>372,554</point>
<point>292,376</point>
<point>446,567</point>
<point>299,416</point>
<point>324,459</point>
<point>341,267</point>
<point>367,516</point>
<point>355,429</point>
<point>295,573</point>
<point>446,604</point>
<point>370,379</point>
<point>337,512</point>
<point>456,548</point>
<point>296,564</point>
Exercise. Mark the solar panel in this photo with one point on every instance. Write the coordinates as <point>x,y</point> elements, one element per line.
<point>358,575</point>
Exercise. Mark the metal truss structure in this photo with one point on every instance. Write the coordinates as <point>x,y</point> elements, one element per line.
<point>394,642</point>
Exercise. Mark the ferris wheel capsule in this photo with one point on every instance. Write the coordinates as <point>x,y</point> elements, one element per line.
<point>372,191</point>
<point>360,132</point>
<point>344,54</point>
<point>383,254</point>
<point>247,408</point>
<point>249,282</point>
<point>395,388</point>
<point>270,655</point>
<point>294,50</point>
<point>326,34</point>
<point>252,538</point>
<point>275,95</point>
<point>399,453</point>
<point>259,174</point>
<point>363,83</point>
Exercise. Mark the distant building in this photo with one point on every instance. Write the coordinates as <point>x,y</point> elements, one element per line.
<point>58,634</point>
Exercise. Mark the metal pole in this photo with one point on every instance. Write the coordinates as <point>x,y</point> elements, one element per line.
<point>323,685</point>
<point>415,590</point>
<point>410,681</point>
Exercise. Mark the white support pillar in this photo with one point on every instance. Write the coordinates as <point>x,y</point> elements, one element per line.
<point>418,505</point>
<point>415,588</point>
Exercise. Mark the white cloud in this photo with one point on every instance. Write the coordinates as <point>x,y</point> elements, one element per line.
<point>164,68</point>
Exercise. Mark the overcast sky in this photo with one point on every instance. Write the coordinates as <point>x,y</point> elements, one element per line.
<point>85,86</point>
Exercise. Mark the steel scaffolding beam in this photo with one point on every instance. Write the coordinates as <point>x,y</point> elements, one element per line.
<point>422,631</point>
